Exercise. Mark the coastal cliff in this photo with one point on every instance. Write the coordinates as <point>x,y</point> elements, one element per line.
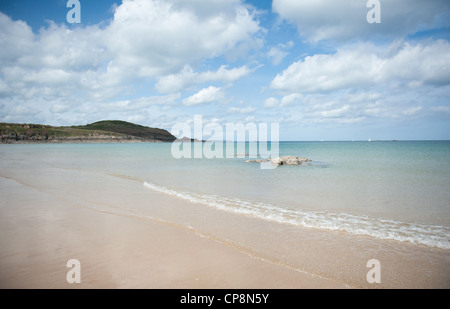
<point>108,131</point>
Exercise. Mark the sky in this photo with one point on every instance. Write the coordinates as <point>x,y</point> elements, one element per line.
<point>317,68</point>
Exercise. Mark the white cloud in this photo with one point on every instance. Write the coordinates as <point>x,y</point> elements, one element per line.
<point>271,102</point>
<point>242,110</point>
<point>145,40</point>
<point>346,19</point>
<point>206,95</point>
<point>333,113</point>
<point>66,75</point>
<point>51,77</point>
<point>441,109</point>
<point>421,63</point>
<point>140,103</point>
<point>287,100</point>
<point>224,74</point>
<point>278,52</point>
<point>4,88</point>
<point>364,65</point>
<point>413,110</point>
<point>363,97</point>
<point>366,108</point>
<point>277,55</point>
<point>16,39</point>
<point>290,99</point>
<point>59,108</point>
<point>187,78</point>
<point>250,118</point>
<point>151,38</point>
<point>329,72</point>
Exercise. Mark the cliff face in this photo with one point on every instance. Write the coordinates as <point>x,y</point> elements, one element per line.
<point>118,131</point>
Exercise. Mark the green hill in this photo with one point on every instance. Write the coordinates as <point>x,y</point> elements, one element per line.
<point>102,131</point>
<point>128,128</point>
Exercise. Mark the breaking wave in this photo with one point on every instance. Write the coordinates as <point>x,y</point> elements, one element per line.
<point>428,235</point>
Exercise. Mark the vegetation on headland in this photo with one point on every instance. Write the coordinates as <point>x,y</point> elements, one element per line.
<point>101,131</point>
<point>123,127</point>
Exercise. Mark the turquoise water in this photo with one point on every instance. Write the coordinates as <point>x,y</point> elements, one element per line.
<point>391,190</point>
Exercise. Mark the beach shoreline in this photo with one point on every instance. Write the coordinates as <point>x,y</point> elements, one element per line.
<point>40,233</point>
<point>127,236</point>
<point>81,141</point>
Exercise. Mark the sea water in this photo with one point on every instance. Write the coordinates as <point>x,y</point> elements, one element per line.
<point>386,190</point>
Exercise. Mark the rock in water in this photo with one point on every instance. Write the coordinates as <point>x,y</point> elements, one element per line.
<point>286,160</point>
<point>256,161</point>
<point>290,160</point>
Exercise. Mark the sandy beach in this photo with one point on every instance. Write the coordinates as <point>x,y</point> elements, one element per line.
<point>168,144</point>
<point>44,228</point>
<point>126,236</point>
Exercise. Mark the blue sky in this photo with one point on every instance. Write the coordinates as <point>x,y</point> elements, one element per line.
<point>317,68</point>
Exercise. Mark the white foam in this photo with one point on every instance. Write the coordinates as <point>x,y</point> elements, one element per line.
<point>429,235</point>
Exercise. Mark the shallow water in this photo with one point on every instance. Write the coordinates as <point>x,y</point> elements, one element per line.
<point>385,190</point>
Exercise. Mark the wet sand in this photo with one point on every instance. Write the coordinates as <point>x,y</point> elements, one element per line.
<point>127,236</point>
<point>41,231</point>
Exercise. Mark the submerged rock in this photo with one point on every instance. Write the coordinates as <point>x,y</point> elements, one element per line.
<point>257,161</point>
<point>286,160</point>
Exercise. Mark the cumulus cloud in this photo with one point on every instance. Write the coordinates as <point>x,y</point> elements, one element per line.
<point>156,37</point>
<point>348,108</point>
<point>286,100</point>
<point>277,53</point>
<point>364,83</point>
<point>59,108</point>
<point>187,78</point>
<point>206,95</point>
<point>141,103</point>
<point>333,113</point>
<point>375,106</point>
<point>242,110</point>
<point>363,66</point>
<point>271,102</point>
<point>151,53</point>
<point>341,20</point>
<point>16,39</point>
<point>146,40</point>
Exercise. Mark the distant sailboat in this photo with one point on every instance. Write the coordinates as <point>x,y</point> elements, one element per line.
<point>370,140</point>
